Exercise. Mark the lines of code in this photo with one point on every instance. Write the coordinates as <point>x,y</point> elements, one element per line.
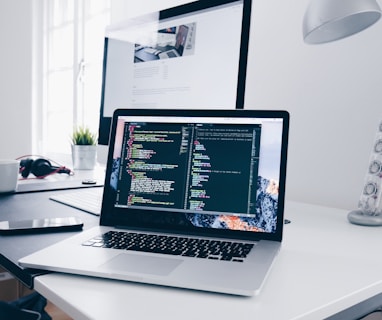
<point>224,162</point>
<point>205,167</point>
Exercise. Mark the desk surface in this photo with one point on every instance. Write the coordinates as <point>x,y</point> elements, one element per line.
<point>21,206</point>
<point>326,265</point>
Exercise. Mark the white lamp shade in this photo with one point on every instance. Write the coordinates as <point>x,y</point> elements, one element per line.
<point>329,20</point>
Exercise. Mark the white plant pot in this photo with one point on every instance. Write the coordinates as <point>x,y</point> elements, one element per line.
<point>84,157</point>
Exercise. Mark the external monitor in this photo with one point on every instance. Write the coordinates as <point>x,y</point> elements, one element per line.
<point>189,56</point>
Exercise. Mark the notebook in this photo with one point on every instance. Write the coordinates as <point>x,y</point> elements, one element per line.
<point>192,199</point>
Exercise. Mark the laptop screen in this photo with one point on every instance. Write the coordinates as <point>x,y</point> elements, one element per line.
<point>198,171</point>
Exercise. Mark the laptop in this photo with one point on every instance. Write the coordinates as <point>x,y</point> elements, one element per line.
<point>192,199</point>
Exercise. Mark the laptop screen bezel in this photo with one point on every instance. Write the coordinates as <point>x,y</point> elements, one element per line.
<point>129,218</point>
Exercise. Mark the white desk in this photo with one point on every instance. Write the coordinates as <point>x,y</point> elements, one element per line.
<point>326,265</point>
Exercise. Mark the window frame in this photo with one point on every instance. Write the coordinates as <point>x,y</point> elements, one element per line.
<point>44,26</point>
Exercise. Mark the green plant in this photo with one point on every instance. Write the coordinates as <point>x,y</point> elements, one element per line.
<point>83,136</point>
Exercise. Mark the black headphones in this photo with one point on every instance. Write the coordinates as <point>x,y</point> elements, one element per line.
<point>40,168</point>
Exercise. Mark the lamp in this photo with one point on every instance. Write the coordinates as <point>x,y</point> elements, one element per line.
<point>330,20</point>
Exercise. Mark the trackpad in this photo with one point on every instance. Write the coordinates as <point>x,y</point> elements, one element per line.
<point>140,264</point>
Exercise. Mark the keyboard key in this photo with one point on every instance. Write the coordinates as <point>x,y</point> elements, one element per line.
<point>188,247</point>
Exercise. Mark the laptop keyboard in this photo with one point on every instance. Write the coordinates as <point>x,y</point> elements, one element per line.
<point>181,246</point>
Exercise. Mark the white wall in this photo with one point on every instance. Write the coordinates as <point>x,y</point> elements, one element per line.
<point>333,93</point>
<point>15,78</point>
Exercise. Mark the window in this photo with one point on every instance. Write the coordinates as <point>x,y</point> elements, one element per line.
<point>73,39</point>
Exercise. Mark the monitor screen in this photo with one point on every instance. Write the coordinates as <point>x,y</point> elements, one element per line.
<point>192,56</point>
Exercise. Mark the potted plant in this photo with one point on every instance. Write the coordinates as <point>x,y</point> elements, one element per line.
<point>84,149</point>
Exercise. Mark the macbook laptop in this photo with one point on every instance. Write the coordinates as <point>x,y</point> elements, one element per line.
<point>192,199</point>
